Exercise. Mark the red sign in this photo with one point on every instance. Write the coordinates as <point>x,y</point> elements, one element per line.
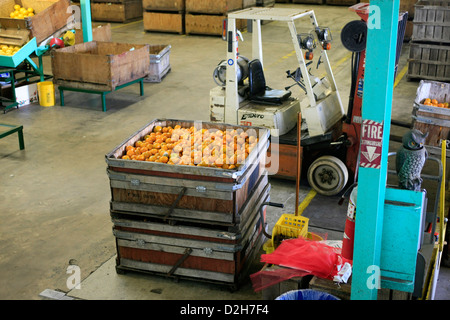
<point>371,144</point>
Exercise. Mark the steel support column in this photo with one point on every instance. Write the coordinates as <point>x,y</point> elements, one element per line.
<point>376,108</point>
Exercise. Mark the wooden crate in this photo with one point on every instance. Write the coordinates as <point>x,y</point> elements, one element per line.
<point>213,7</point>
<point>432,21</point>
<point>159,62</point>
<point>116,12</point>
<point>434,120</point>
<point>99,33</point>
<point>199,255</point>
<point>429,61</point>
<point>164,5</point>
<point>195,193</point>
<point>100,66</point>
<point>209,24</point>
<point>52,16</point>
<point>342,2</point>
<point>164,22</point>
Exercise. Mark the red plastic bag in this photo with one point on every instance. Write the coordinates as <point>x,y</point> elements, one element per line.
<point>301,257</point>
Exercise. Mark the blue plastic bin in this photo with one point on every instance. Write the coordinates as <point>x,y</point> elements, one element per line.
<point>306,294</point>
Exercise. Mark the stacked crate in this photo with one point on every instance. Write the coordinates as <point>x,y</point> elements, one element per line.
<point>182,221</point>
<point>429,56</point>
<point>116,10</point>
<point>164,15</point>
<point>207,17</point>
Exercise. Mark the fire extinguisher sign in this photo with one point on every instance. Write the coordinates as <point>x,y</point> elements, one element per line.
<point>371,144</point>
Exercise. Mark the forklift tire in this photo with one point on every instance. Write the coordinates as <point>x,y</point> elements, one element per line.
<point>327,175</point>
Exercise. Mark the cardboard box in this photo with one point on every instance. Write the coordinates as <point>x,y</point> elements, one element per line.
<point>26,94</point>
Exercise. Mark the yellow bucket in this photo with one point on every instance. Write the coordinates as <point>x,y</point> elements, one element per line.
<point>46,93</point>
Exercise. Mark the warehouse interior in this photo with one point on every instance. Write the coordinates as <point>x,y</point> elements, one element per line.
<point>55,200</point>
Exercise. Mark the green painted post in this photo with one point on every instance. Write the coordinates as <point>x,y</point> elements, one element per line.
<point>376,114</point>
<point>86,20</point>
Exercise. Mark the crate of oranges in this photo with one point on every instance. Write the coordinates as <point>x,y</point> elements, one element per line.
<point>208,167</point>
<point>43,18</point>
<point>431,112</point>
<point>21,12</point>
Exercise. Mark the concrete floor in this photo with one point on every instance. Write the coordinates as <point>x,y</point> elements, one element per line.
<point>54,199</point>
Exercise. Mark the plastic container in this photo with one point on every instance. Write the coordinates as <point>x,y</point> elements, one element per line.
<point>289,226</point>
<point>306,294</point>
<point>46,92</point>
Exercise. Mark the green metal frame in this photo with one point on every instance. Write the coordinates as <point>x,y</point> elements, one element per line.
<point>13,129</point>
<point>10,103</point>
<point>102,93</point>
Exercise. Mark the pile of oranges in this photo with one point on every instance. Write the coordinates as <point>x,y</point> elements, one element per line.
<point>194,147</point>
<point>21,12</point>
<point>435,103</point>
<point>6,50</point>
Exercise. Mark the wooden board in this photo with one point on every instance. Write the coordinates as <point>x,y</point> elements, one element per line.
<point>212,7</point>
<point>204,24</point>
<point>108,64</point>
<point>164,22</point>
<point>14,37</point>
<point>164,5</point>
<point>191,208</point>
<point>116,12</point>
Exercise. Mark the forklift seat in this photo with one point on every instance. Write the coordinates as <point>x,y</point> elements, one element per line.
<point>258,91</point>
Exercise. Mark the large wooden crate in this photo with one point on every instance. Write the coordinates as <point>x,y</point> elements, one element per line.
<point>100,66</point>
<point>431,21</point>
<point>164,21</point>
<point>117,12</point>
<point>187,193</point>
<point>429,61</point>
<point>434,120</point>
<point>50,17</point>
<point>186,251</point>
<point>164,5</point>
<point>213,7</point>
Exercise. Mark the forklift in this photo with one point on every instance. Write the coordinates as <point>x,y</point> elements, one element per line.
<point>243,97</point>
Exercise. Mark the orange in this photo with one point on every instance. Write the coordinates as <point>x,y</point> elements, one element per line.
<point>126,157</point>
<point>164,159</point>
<point>157,129</point>
<point>434,101</point>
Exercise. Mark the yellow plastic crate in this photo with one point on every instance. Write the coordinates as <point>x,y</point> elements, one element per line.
<point>289,226</point>
<point>269,248</point>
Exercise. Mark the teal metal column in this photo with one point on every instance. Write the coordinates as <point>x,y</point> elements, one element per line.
<point>376,114</point>
<point>86,19</point>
